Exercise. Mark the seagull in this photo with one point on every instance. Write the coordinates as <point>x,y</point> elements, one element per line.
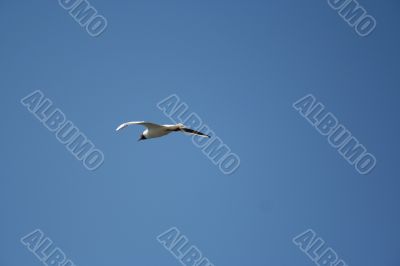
<point>154,130</point>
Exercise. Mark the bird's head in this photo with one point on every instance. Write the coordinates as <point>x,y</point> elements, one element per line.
<point>141,137</point>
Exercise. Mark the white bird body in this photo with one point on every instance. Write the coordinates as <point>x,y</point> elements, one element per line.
<point>154,130</point>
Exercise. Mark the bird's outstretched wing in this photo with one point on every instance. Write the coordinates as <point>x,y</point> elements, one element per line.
<point>142,123</point>
<point>194,132</point>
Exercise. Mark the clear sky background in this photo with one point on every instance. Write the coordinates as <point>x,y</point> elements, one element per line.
<point>239,65</point>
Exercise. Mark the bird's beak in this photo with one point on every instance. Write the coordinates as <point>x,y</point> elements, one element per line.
<point>141,138</point>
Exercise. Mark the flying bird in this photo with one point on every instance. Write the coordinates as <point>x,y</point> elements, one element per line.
<point>154,130</point>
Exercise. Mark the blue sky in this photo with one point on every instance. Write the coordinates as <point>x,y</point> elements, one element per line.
<point>239,65</point>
